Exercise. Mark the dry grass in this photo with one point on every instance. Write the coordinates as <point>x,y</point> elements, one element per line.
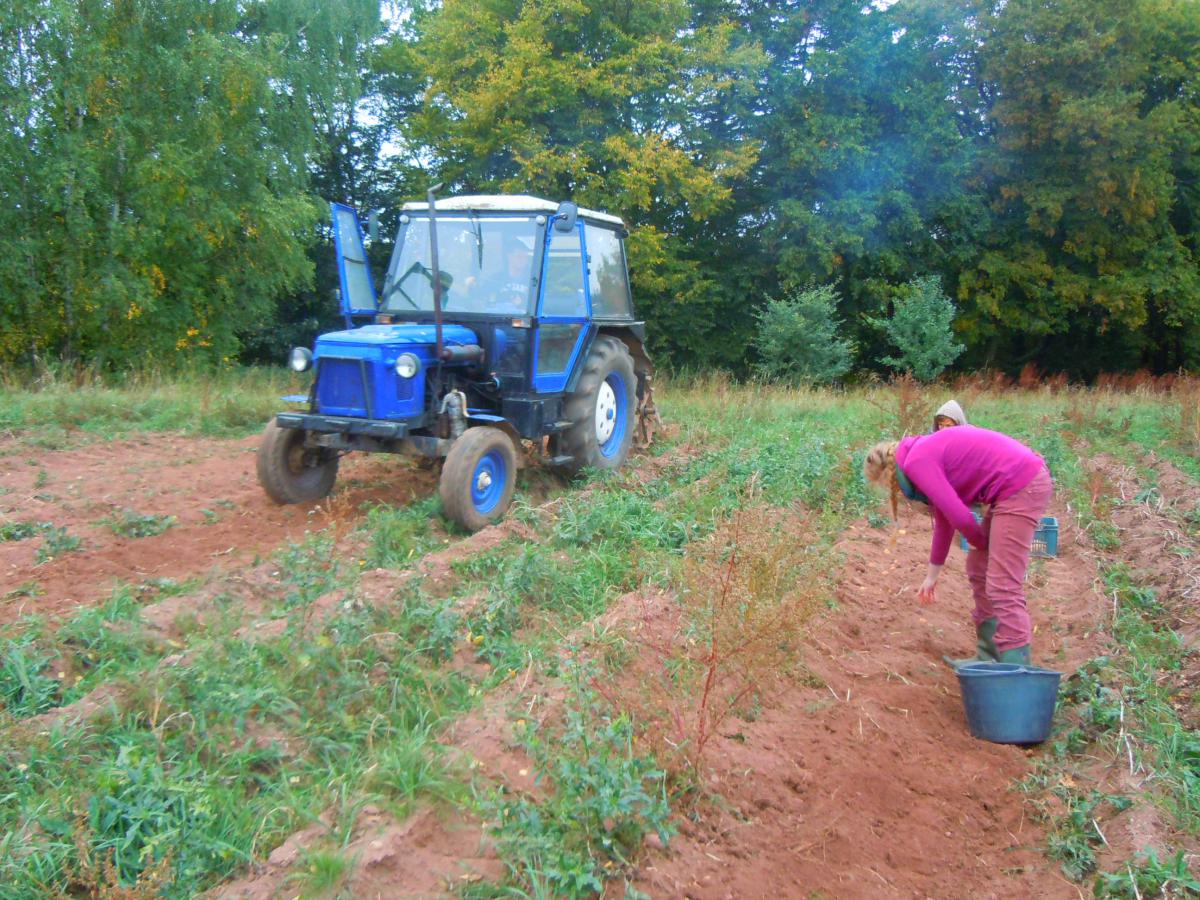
<point>1187,393</point>
<point>728,640</point>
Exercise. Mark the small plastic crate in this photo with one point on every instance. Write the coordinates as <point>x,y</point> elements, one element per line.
<point>1045,538</point>
<point>962,541</point>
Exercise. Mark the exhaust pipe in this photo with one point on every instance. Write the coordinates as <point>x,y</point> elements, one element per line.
<point>437,275</point>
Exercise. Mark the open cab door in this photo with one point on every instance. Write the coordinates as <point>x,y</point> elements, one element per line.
<point>358,288</point>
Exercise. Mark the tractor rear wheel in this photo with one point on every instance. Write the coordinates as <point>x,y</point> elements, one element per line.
<point>478,478</point>
<point>290,472</point>
<point>601,409</point>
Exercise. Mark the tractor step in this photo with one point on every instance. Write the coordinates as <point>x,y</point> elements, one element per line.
<point>560,425</point>
<point>561,460</point>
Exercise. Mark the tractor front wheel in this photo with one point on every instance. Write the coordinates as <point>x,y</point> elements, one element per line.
<point>289,471</point>
<point>601,409</point>
<point>478,477</point>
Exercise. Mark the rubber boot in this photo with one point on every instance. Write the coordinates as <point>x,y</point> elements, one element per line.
<point>1017,655</point>
<point>985,645</point>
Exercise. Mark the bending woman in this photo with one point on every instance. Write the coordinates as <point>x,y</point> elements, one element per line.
<point>949,470</point>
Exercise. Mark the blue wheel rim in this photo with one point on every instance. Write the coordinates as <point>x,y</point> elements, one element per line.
<point>488,481</point>
<point>612,446</point>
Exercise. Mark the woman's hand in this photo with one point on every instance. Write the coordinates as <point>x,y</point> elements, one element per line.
<point>926,593</point>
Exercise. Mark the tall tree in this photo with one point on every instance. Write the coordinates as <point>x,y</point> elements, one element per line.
<point>866,159</point>
<point>1092,237</point>
<point>154,168</point>
<point>623,105</point>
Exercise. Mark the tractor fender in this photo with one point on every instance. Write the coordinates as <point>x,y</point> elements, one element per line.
<point>509,429</point>
<point>631,335</point>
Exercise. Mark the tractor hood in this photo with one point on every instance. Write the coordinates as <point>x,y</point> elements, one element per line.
<point>356,373</point>
<point>406,335</point>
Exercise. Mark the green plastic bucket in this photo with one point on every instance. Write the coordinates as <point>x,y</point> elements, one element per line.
<point>1008,704</point>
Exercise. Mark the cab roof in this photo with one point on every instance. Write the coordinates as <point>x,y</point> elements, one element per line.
<point>507,203</point>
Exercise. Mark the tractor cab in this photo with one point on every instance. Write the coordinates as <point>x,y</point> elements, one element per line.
<point>501,320</point>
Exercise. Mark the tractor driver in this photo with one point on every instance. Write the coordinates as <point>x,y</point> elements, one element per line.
<point>505,290</point>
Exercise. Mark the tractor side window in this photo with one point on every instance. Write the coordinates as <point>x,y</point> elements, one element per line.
<point>563,293</point>
<point>608,277</point>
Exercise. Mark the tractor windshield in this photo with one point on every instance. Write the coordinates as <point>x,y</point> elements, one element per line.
<point>486,266</point>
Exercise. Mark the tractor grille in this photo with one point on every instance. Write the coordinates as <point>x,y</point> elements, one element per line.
<point>342,388</point>
<point>404,388</point>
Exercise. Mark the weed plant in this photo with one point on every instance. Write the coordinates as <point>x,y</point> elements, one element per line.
<point>131,524</point>
<point>20,531</point>
<point>25,687</point>
<point>55,542</point>
<point>399,535</point>
<point>605,799</point>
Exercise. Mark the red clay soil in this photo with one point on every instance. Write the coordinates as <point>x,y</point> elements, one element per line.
<point>163,475</point>
<point>422,856</point>
<point>870,785</point>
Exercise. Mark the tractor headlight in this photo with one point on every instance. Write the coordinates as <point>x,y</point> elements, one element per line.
<point>301,359</point>
<point>407,365</point>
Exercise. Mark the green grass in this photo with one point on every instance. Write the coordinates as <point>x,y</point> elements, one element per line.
<point>53,413</point>
<point>399,536</point>
<point>321,872</point>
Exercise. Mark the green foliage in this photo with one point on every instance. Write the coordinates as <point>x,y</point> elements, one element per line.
<point>25,689</point>
<point>308,569</point>
<point>798,338</point>
<point>154,170</point>
<point>1089,250</point>
<point>1076,836</point>
<point>633,106</point>
<point>131,524</point>
<point>55,542</point>
<point>399,535</point>
<point>1150,877</point>
<point>142,811</point>
<point>19,531</point>
<point>605,799</point>
<point>921,328</point>
<point>321,872</point>
<point>57,411</point>
<point>161,164</point>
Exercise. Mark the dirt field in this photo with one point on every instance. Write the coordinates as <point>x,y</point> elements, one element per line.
<point>865,783</point>
<point>223,518</point>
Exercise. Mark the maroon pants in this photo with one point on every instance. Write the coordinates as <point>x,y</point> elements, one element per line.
<point>997,574</point>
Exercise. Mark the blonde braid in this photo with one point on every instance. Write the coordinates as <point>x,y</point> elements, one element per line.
<point>880,468</point>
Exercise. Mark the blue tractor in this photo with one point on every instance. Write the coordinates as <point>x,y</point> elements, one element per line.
<point>502,320</point>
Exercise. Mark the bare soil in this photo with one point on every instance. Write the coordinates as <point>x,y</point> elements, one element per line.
<point>222,517</point>
<point>863,781</point>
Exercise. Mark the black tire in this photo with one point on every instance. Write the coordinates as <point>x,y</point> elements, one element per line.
<point>609,364</point>
<point>290,472</point>
<point>481,454</point>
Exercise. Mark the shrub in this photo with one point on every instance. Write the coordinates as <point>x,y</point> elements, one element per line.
<point>798,338</point>
<point>921,329</point>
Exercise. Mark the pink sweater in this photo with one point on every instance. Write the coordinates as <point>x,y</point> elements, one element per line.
<point>958,466</point>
